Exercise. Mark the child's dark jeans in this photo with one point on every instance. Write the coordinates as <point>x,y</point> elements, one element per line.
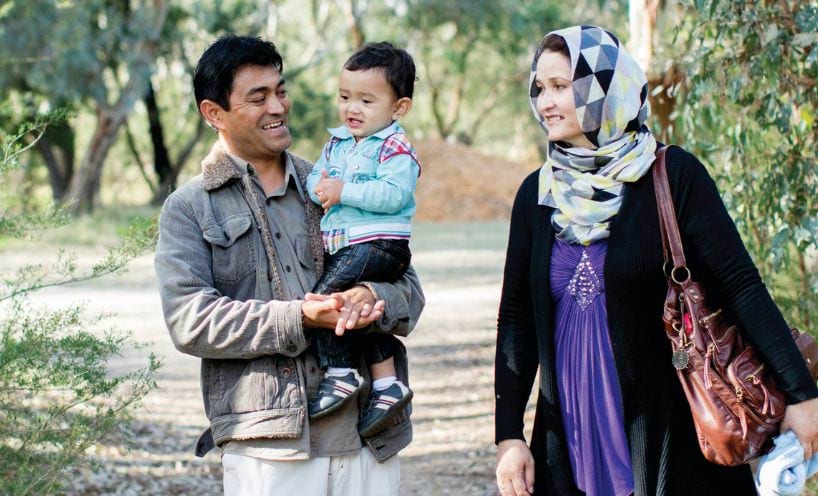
<point>380,260</point>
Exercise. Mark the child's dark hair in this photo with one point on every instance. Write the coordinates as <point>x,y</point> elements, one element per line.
<point>397,65</point>
<point>213,77</point>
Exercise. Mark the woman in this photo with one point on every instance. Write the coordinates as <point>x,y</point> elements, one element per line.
<point>583,293</point>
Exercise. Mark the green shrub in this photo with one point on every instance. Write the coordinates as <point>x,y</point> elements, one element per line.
<point>57,396</point>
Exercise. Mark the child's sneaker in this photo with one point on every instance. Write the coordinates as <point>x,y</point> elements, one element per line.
<point>383,405</point>
<point>333,393</point>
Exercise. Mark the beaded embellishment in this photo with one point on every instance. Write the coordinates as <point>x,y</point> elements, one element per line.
<point>584,284</point>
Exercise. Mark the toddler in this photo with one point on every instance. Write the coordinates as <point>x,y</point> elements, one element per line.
<point>365,181</point>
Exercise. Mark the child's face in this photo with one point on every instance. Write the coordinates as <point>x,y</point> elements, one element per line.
<point>366,102</point>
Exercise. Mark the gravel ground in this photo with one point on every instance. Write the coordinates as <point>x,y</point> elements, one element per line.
<point>451,368</point>
<point>451,361</point>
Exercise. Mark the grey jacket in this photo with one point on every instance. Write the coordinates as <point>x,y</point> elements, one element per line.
<point>219,284</point>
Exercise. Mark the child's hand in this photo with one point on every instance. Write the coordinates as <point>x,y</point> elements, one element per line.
<point>328,190</point>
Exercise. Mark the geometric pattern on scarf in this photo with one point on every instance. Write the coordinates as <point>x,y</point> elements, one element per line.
<point>584,186</point>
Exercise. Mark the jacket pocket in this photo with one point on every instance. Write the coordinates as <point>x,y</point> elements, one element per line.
<point>264,383</point>
<point>232,248</point>
<point>362,169</point>
<point>304,252</point>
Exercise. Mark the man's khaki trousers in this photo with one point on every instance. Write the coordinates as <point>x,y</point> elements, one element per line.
<point>351,475</point>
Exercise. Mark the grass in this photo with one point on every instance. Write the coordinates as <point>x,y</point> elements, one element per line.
<point>479,235</point>
<point>103,228</point>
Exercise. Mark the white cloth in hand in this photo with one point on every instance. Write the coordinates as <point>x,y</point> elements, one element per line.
<point>783,471</point>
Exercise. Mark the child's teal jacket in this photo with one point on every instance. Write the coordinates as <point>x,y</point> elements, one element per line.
<point>380,173</point>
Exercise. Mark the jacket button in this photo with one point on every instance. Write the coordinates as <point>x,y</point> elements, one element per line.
<point>278,235</point>
<point>286,372</point>
<point>292,348</point>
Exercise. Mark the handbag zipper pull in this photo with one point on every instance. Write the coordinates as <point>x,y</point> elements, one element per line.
<point>708,383</point>
<point>753,379</point>
<point>765,409</point>
<point>741,414</point>
<point>766,405</point>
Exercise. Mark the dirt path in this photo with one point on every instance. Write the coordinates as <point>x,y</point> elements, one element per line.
<point>451,361</point>
<point>451,369</point>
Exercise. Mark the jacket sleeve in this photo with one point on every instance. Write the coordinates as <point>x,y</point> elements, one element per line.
<point>516,359</point>
<point>404,303</point>
<point>315,174</point>
<point>204,323</point>
<point>709,231</point>
<point>390,191</point>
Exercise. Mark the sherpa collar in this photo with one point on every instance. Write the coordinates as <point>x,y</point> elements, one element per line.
<point>218,168</point>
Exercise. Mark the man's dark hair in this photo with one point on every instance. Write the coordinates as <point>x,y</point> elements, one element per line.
<point>397,65</point>
<point>213,77</point>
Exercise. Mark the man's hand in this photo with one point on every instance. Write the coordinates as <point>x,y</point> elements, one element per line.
<point>515,468</point>
<point>321,312</point>
<point>354,308</point>
<point>802,419</point>
<point>328,190</point>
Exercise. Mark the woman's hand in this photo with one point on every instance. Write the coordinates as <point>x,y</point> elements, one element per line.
<point>802,419</point>
<point>515,468</point>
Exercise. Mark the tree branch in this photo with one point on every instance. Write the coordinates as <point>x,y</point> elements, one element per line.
<point>129,139</point>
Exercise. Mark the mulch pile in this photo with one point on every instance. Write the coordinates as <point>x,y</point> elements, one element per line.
<point>458,183</point>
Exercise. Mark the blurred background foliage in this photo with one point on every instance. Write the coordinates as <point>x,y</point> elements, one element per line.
<point>733,81</point>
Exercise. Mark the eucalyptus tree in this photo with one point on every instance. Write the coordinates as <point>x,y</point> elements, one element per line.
<point>471,52</point>
<point>752,110</point>
<point>95,53</point>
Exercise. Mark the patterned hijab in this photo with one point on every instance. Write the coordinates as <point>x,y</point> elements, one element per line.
<point>610,92</point>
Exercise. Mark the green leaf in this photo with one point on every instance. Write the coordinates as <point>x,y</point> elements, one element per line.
<point>5,9</point>
<point>713,5</point>
<point>778,247</point>
<point>807,116</point>
<point>805,39</point>
<point>807,18</point>
<point>770,34</point>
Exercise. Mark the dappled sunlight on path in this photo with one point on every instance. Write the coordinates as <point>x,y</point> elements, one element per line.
<point>451,356</point>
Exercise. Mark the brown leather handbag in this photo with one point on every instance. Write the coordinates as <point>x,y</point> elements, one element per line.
<point>735,402</point>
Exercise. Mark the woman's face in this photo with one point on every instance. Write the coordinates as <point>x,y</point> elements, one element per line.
<point>555,102</point>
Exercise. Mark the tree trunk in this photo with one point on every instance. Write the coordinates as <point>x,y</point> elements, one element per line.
<point>56,146</point>
<point>641,25</point>
<point>161,160</point>
<point>168,184</point>
<point>86,182</point>
<point>110,117</point>
<point>447,124</point>
<point>664,86</point>
<point>440,122</point>
<point>663,102</point>
<point>354,23</point>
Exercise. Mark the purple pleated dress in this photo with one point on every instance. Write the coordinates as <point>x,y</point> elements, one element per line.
<point>586,373</point>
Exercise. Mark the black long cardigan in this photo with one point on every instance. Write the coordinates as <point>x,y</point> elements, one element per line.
<point>664,451</point>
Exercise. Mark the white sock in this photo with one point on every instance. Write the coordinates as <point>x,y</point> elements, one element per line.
<point>338,371</point>
<point>384,382</point>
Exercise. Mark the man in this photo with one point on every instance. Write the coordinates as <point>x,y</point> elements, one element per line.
<point>239,249</point>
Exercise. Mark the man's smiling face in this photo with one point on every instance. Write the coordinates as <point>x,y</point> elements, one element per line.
<point>256,126</point>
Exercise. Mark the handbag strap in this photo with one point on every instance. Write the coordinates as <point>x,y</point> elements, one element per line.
<point>671,239</point>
